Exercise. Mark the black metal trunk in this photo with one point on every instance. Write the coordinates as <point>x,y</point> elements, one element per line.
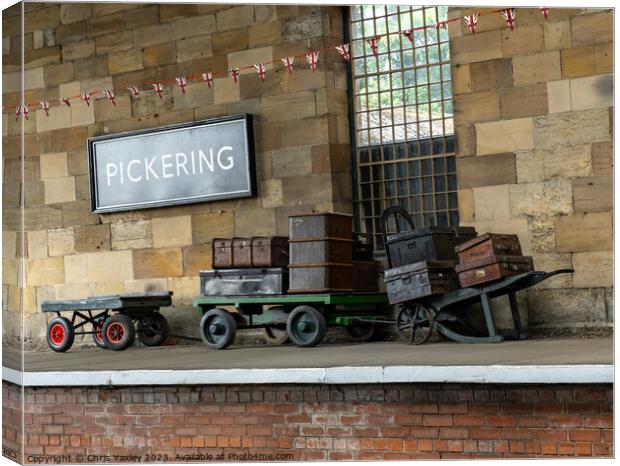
<point>239,282</point>
<point>321,251</point>
<point>420,279</point>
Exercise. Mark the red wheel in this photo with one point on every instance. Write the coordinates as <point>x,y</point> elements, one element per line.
<point>115,332</point>
<point>118,332</point>
<point>98,335</point>
<point>60,334</point>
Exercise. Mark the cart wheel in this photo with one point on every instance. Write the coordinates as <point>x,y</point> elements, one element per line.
<point>118,332</point>
<point>274,335</point>
<point>360,332</point>
<point>98,335</point>
<point>153,329</point>
<point>414,324</point>
<point>60,334</point>
<point>306,326</point>
<point>218,329</point>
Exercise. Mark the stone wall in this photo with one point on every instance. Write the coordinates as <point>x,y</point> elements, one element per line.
<point>301,140</point>
<point>533,117</point>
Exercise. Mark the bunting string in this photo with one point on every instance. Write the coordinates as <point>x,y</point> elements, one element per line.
<point>311,57</point>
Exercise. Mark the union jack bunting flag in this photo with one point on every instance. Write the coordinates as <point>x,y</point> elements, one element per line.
<point>86,98</point>
<point>234,73</point>
<point>133,90</point>
<point>288,63</point>
<point>159,88</point>
<point>374,44</point>
<point>18,112</point>
<point>181,82</point>
<point>109,93</point>
<point>313,60</point>
<point>26,111</point>
<point>260,69</point>
<point>45,106</point>
<point>66,100</point>
<point>510,15</point>
<point>441,25</point>
<point>409,35</point>
<point>344,51</point>
<point>545,11</point>
<point>207,78</point>
<point>471,21</point>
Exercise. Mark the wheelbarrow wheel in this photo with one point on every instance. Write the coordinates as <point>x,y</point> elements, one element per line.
<point>60,334</point>
<point>98,332</point>
<point>118,332</point>
<point>414,324</point>
<point>360,332</point>
<point>153,329</point>
<point>218,329</point>
<point>274,335</point>
<point>306,326</point>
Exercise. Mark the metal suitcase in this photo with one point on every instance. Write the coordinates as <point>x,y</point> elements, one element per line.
<point>321,278</point>
<point>420,279</point>
<point>239,282</point>
<point>488,245</point>
<point>492,268</point>
<point>320,226</point>
<point>269,251</point>
<point>321,251</point>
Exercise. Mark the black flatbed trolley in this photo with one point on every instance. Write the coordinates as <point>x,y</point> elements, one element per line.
<point>111,319</point>
<point>302,318</point>
<point>416,319</point>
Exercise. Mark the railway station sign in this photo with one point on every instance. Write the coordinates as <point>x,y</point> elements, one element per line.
<point>192,162</point>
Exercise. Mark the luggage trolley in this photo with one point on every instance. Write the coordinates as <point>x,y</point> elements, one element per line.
<point>111,319</point>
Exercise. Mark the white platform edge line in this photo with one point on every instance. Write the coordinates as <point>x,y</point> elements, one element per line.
<point>547,374</point>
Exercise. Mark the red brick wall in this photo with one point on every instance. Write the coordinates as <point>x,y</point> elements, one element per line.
<point>355,422</point>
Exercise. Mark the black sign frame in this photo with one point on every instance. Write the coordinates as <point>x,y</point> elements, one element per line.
<point>250,158</point>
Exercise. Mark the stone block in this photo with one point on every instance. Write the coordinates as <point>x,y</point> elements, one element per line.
<point>492,202</point>
<point>473,172</point>
<point>245,57</point>
<point>59,190</point>
<point>110,266</point>
<point>308,131</point>
<point>288,106</point>
<point>301,80</point>
<point>45,271</point>
<point>128,60</point>
<point>557,35</point>
<point>194,47</point>
<point>515,226</point>
<point>587,61</point>
<point>178,116</point>
<point>77,213</point>
<point>252,89</point>
<point>107,8</point>
<point>593,269</point>
<point>88,68</point>
<point>302,190</point>
<point>560,130</point>
<point>160,54</point>
<point>71,12</point>
<point>82,114</point>
<point>465,199</point>
<point>116,42</point>
<point>168,12</point>
<point>523,101</point>
<point>172,231</point>
<point>602,158</point>
<point>37,244</point>
<point>593,194</point>
<point>292,162</point>
<point>570,162</point>
<point>108,288</point>
<point>592,92</point>
<point>211,225</point>
<point>593,28</point>
<point>76,268</point>
<point>105,111</point>
<point>77,162</point>
<point>108,24</point>
<point>303,27</point>
<point>75,50</point>
<point>476,48</point>
<point>151,35</point>
<point>53,165</point>
<point>58,73</point>
<point>465,140</point>
<point>230,41</point>
<point>10,271</point>
<point>461,79</point>
<point>197,258</point>
<point>37,217</point>
<point>235,17</point>
<point>550,262</point>
<point>195,94</point>
<point>60,242</point>
<point>552,197</point>
<point>140,17</point>
<point>265,34</point>
<point>146,285</point>
<point>150,263</point>
<point>131,235</point>
<point>185,289</point>
<point>504,136</point>
<point>530,166</point>
<point>73,32</point>
<point>583,232</point>
<point>537,68</point>
<point>194,26</point>
<point>558,96</point>
<point>523,40</point>
<point>271,193</point>
<point>225,90</point>
<point>559,308</point>
<point>265,13</point>
<point>255,222</point>
<point>92,238</point>
<point>476,107</point>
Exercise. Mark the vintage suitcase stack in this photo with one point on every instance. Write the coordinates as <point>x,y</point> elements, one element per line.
<point>489,257</point>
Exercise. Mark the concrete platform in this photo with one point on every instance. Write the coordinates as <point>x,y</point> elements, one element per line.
<point>582,360</point>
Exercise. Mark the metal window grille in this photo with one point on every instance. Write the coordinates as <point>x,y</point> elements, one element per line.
<point>404,132</point>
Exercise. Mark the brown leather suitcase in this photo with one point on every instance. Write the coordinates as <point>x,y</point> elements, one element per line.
<point>488,245</point>
<point>242,252</point>
<point>321,226</point>
<point>366,275</point>
<point>270,251</point>
<point>320,278</point>
<point>321,251</point>
<point>222,253</point>
<point>493,268</point>
<point>420,279</point>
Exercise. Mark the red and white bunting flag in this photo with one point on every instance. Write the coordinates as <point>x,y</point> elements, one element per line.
<point>133,90</point>
<point>510,15</point>
<point>288,64</point>
<point>86,98</point>
<point>159,88</point>
<point>471,21</point>
<point>67,101</point>
<point>545,11</point>
<point>182,83</point>
<point>409,35</point>
<point>45,106</point>
<point>234,73</point>
<point>109,93</point>
<point>208,79</point>
<point>374,44</point>
<point>344,51</point>
<point>313,60</point>
<point>18,112</point>
<point>441,25</point>
<point>260,69</point>
<point>26,111</point>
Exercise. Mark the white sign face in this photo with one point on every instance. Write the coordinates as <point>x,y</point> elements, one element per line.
<point>194,162</point>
